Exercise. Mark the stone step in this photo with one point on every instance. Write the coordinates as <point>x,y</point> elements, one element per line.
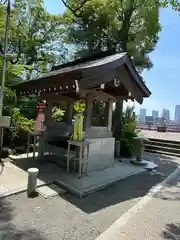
<point>163,148</point>
<point>165,141</point>
<point>174,144</point>
<point>162,152</point>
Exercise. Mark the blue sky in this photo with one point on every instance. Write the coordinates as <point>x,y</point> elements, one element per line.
<point>54,6</point>
<point>164,78</point>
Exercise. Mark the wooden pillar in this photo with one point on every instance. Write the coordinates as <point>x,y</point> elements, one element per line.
<point>117,120</point>
<point>69,113</point>
<point>48,119</point>
<point>48,113</point>
<point>108,114</point>
<point>88,113</point>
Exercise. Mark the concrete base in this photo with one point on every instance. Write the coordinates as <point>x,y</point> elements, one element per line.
<point>96,180</point>
<point>24,155</point>
<point>50,190</point>
<point>14,179</point>
<point>150,165</point>
<point>146,164</point>
<point>101,153</point>
<point>138,163</point>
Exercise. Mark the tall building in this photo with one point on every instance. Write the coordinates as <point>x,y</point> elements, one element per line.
<point>155,115</point>
<point>142,115</point>
<point>177,113</point>
<point>137,118</point>
<point>166,114</point>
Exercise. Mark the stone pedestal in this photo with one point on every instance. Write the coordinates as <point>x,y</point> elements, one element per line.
<point>101,153</point>
<point>139,150</point>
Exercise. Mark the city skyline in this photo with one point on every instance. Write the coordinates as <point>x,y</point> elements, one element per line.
<point>177,113</point>
<point>164,113</point>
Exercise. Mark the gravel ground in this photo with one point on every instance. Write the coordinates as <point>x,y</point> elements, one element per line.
<point>70,218</point>
<point>160,216</point>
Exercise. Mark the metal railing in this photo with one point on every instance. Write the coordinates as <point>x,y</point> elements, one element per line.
<point>153,127</point>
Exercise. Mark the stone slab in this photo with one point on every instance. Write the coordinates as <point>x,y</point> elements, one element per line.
<point>101,153</point>
<point>3,190</point>
<point>14,180</point>
<point>16,177</point>
<point>97,180</point>
<point>150,165</point>
<point>50,190</point>
<point>24,155</point>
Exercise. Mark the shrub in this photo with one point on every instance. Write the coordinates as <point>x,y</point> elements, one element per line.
<point>57,113</point>
<point>128,132</point>
<point>19,129</point>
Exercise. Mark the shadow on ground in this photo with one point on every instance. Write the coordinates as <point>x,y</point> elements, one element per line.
<point>9,231</point>
<point>129,188</point>
<point>169,190</point>
<point>1,167</point>
<point>126,189</point>
<point>172,231</point>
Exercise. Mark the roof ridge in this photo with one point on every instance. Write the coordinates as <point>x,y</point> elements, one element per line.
<point>93,57</point>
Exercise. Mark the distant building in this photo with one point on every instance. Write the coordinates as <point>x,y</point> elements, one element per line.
<point>149,120</point>
<point>142,115</point>
<point>177,113</point>
<point>166,115</point>
<point>159,120</point>
<point>155,115</point>
<point>137,118</point>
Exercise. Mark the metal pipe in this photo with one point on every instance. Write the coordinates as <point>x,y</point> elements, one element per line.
<point>4,63</point>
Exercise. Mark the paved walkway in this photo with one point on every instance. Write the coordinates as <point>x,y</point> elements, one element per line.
<point>172,136</point>
<point>72,218</point>
<point>13,177</point>
<point>158,219</point>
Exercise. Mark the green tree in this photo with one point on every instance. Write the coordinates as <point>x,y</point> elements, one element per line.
<point>128,25</point>
<point>75,7</point>
<point>34,36</point>
<point>34,45</point>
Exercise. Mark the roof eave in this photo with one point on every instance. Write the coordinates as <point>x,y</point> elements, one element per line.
<point>129,62</point>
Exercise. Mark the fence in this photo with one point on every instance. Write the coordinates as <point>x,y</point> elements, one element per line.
<point>153,127</point>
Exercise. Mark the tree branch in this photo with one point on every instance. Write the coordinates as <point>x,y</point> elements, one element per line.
<point>124,31</point>
<point>3,2</point>
<point>18,55</point>
<point>74,11</point>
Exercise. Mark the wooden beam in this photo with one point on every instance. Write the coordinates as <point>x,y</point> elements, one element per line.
<point>130,84</point>
<point>55,98</point>
<point>98,95</point>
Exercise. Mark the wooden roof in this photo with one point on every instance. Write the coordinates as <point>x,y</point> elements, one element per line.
<point>114,71</point>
